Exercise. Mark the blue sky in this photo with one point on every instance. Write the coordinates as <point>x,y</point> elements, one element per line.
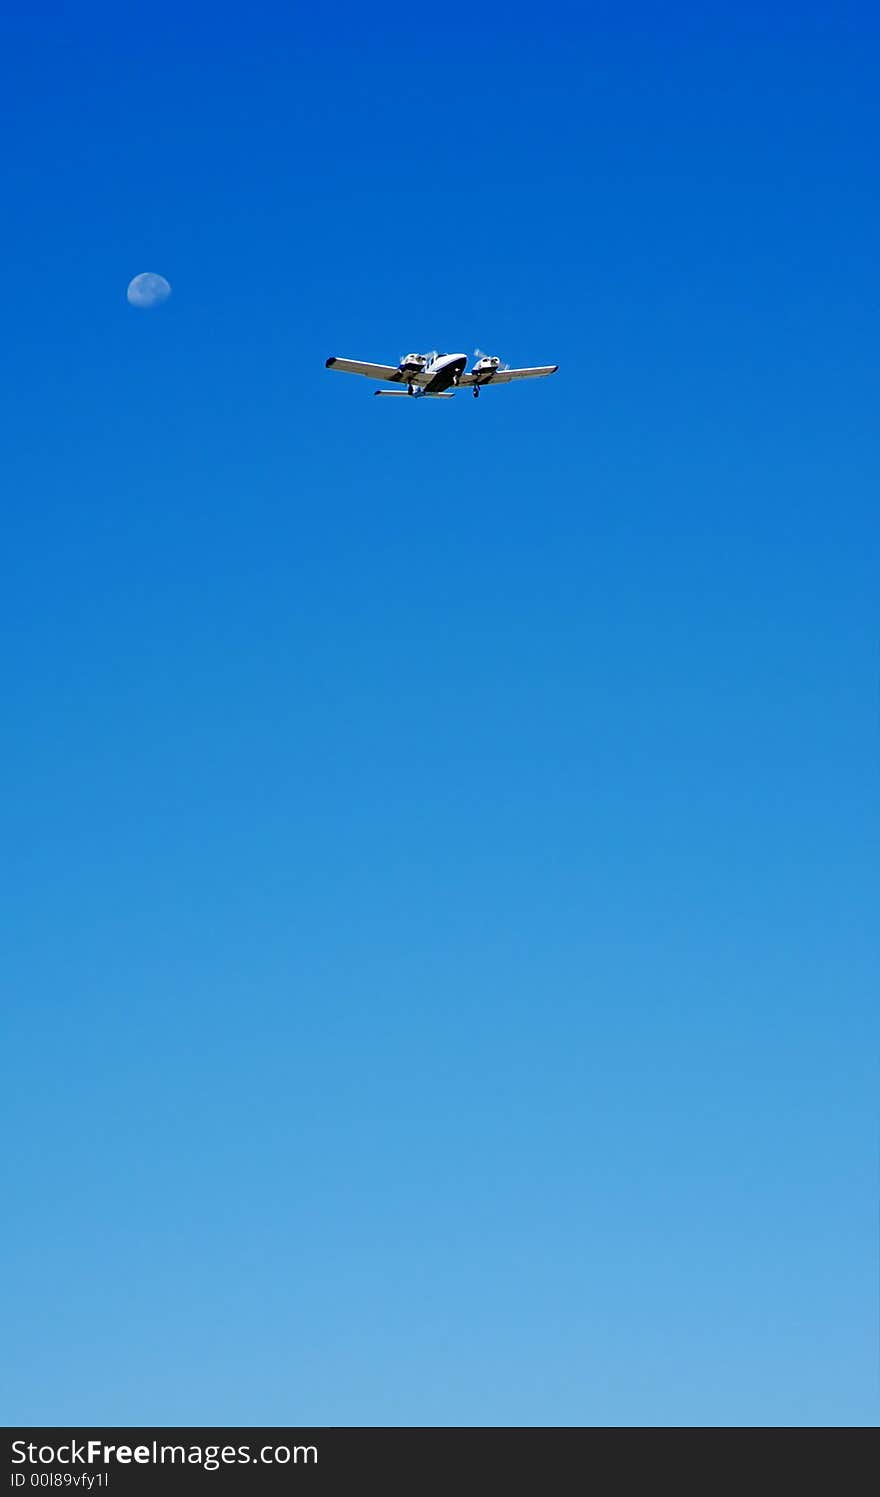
<point>439,892</point>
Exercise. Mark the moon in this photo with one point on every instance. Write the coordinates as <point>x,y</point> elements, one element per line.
<point>148,290</point>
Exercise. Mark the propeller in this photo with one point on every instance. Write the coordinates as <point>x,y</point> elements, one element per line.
<point>480,353</point>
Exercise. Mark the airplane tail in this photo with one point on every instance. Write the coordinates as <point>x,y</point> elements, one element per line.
<point>420,394</point>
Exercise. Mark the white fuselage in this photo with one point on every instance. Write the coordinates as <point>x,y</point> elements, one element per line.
<point>443,370</point>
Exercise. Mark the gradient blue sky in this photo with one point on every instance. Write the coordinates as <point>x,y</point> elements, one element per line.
<point>439,876</point>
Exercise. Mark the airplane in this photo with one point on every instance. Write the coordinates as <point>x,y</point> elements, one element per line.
<point>439,374</point>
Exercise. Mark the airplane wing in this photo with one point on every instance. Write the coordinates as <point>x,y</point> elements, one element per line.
<point>371,371</point>
<point>504,376</point>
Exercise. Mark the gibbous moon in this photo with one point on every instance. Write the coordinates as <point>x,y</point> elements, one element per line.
<point>148,290</point>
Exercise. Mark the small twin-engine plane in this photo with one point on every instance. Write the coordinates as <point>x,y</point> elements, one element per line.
<point>440,374</point>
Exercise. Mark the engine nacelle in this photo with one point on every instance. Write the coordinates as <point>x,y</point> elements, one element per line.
<point>486,365</point>
<point>413,363</point>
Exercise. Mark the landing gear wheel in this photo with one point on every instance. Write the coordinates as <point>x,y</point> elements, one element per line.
<point>476,392</point>
<point>410,390</point>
